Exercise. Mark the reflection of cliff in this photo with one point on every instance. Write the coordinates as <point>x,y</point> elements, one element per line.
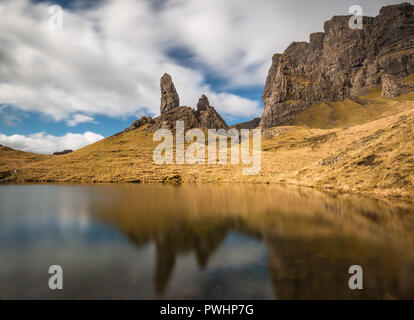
<point>311,238</point>
<point>317,269</point>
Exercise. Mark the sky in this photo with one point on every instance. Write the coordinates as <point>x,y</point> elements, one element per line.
<point>65,85</point>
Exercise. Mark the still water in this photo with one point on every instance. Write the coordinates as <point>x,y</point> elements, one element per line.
<point>202,242</point>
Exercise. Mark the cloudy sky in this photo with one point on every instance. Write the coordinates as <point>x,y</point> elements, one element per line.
<point>66,88</point>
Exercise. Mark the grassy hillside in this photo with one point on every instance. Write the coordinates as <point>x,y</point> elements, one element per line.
<point>363,144</point>
<point>12,160</point>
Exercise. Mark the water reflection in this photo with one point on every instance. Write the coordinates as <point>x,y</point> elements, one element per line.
<point>202,241</point>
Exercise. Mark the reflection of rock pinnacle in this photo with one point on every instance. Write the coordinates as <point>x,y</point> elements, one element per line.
<point>184,239</point>
<point>164,265</point>
<point>206,244</point>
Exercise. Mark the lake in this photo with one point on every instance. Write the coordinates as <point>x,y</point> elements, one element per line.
<point>225,241</point>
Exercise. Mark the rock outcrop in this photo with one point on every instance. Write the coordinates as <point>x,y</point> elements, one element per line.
<point>140,122</point>
<point>392,86</point>
<point>252,124</point>
<point>339,62</point>
<point>169,96</point>
<point>168,119</point>
<point>204,117</point>
<point>61,153</point>
<point>208,116</point>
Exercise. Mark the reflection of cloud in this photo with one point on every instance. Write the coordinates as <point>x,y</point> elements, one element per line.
<point>239,252</point>
<point>70,217</point>
<point>67,211</point>
<point>236,270</point>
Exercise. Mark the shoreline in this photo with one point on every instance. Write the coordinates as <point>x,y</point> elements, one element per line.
<point>329,190</point>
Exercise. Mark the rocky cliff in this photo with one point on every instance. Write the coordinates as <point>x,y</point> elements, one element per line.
<point>339,62</point>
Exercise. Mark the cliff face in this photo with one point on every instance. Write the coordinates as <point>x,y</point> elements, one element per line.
<point>339,62</point>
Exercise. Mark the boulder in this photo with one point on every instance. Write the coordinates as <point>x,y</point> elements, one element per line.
<point>392,86</point>
<point>61,153</point>
<point>140,122</point>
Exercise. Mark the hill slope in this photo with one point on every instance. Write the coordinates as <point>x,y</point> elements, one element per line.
<point>363,144</point>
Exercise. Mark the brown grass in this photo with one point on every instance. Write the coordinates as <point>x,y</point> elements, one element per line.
<point>362,145</point>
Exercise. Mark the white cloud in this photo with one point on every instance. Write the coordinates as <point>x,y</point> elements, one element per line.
<point>105,61</point>
<point>47,144</point>
<point>108,59</point>
<point>79,118</point>
<point>10,120</point>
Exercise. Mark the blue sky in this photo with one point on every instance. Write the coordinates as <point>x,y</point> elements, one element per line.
<point>65,88</point>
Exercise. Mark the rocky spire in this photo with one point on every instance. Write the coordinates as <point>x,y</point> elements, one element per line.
<point>208,116</point>
<point>202,103</point>
<point>169,96</point>
<point>204,117</point>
